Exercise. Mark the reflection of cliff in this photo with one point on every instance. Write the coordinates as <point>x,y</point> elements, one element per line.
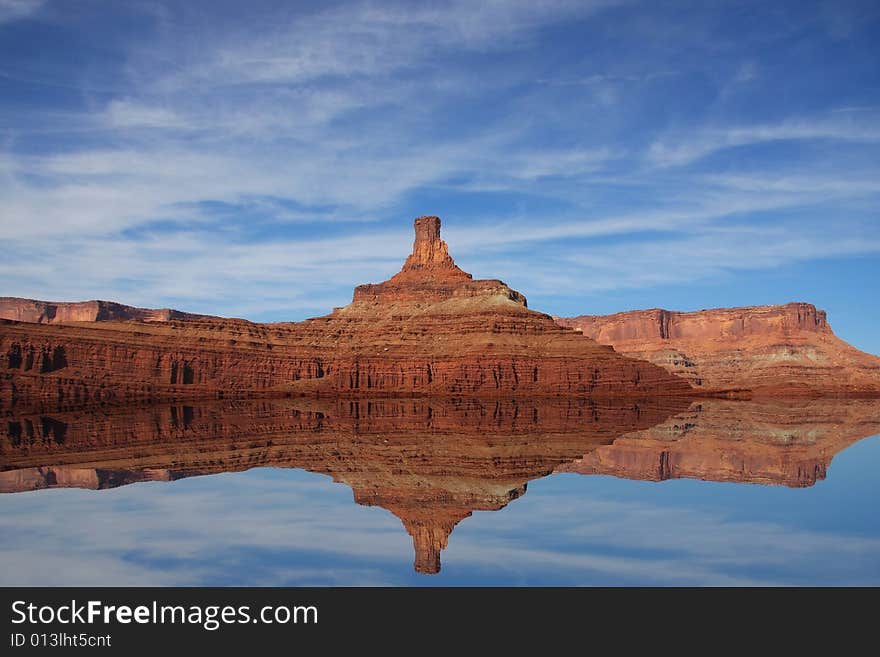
<point>430,462</point>
<point>768,442</point>
<point>433,462</point>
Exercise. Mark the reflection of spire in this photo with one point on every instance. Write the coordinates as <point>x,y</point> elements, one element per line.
<point>432,521</point>
<point>430,527</point>
<point>433,461</point>
<point>429,538</point>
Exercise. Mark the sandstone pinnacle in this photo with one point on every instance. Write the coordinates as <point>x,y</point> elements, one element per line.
<point>430,253</point>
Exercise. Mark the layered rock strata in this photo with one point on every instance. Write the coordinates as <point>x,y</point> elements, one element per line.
<point>430,330</point>
<point>61,312</point>
<point>767,350</point>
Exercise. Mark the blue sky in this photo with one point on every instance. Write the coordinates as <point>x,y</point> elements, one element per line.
<point>260,159</point>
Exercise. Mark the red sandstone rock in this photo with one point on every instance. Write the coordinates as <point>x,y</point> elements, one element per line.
<point>430,253</point>
<point>430,275</point>
<point>431,329</point>
<point>59,312</point>
<point>768,350</point>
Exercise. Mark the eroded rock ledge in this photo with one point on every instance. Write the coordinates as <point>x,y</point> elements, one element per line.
<point>429,330</point>
<point>59,312</point>
<point>770,350</point>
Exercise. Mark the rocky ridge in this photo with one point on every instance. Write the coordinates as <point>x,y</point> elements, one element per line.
<point>61,312</point>
<point>429,330</point>
<point>787,350</point>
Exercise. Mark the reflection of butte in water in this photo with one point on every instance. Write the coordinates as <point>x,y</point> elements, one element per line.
<point>433,462</point>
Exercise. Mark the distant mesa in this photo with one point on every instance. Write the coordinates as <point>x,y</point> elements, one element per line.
<point>769,350</point>
<point>59,312</point>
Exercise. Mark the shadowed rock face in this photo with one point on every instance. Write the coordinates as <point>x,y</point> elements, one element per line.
<point>768,350</point>
<point>432,462</point>
<point>430,329</point>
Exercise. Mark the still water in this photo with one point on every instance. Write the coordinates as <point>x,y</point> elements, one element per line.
<point>443,492</point>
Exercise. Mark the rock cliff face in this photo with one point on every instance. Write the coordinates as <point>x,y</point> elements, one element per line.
<point>59,312</point>
<point>431,329</point>
<point>430,462</point>
<point>768,350</point>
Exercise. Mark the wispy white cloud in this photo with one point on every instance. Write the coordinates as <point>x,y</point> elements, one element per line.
<point>707,253</point>
<point>648,541</point>
<point>686,148</point>
<point>315,516</point>
<point>216,273</point>
<point>128,114</point>
<point>221,169</point>
<point>802,187</point>
<point>295,528</point>
<point>366,39</point>
<point>11,10</point>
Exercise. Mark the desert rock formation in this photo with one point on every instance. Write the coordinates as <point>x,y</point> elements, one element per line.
<point>784,350</point>
<point>429,276</point>
<point>60,312</point>
<point>429,330</point>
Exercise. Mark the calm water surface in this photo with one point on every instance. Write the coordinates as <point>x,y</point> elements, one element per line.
<point>431,492</point>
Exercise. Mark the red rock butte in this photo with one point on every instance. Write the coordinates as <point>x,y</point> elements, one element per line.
<point>430,274</point>
<point>429,330</point>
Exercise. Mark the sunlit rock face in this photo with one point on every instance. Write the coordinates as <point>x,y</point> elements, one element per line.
<point>767,350</point>
<point>431,329</point>
<point>60,312</point>
<point>430,275</point>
